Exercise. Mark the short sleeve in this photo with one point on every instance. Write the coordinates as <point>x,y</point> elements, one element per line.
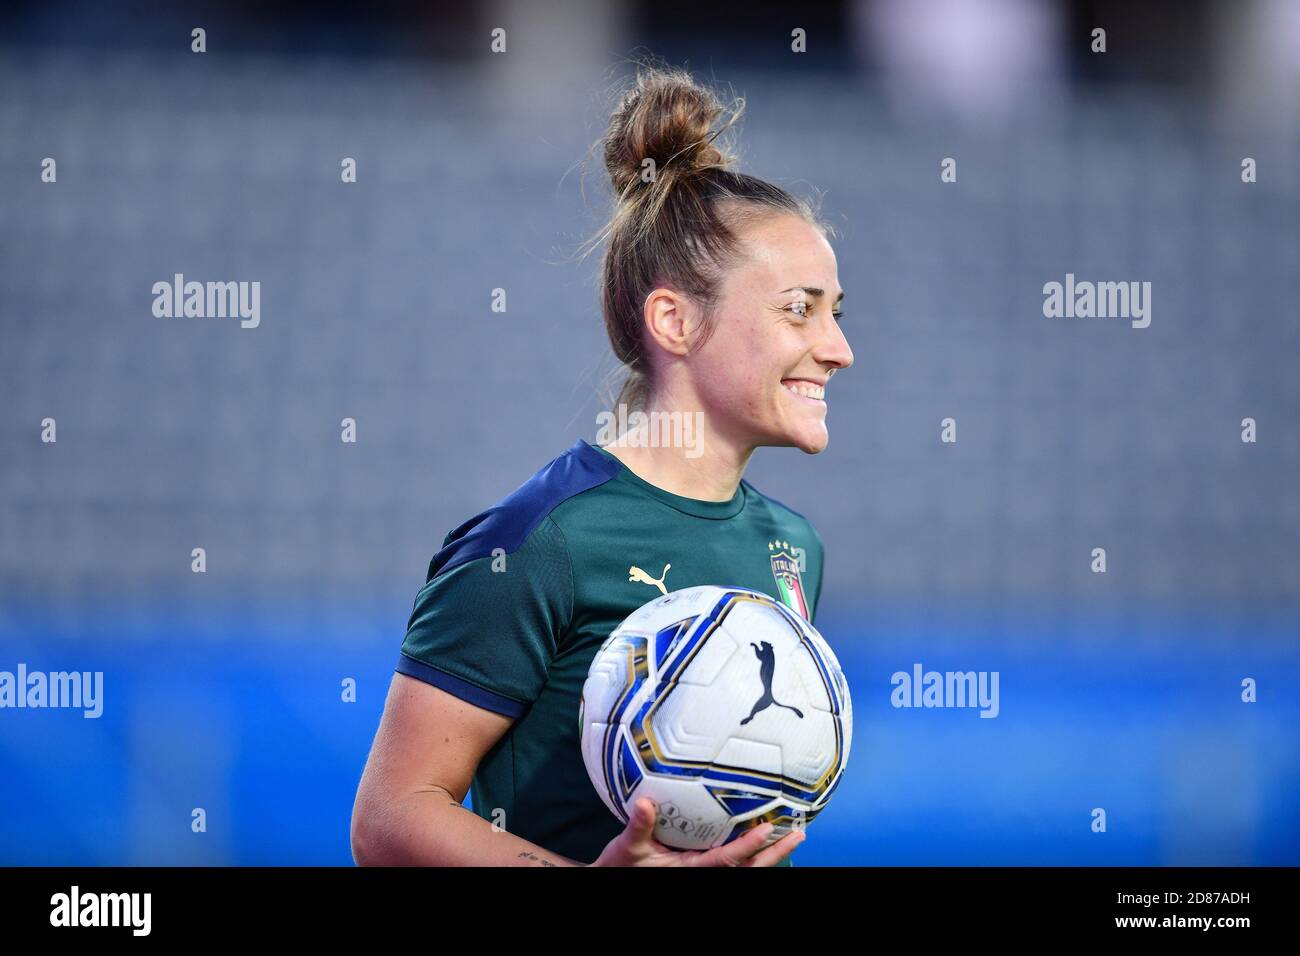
<point>485,627</point>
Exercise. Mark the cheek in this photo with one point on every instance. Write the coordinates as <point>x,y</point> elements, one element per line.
<point>754,387</point>
<point>740,378</point>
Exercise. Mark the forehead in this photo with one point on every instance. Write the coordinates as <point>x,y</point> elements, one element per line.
<point>784,251</point>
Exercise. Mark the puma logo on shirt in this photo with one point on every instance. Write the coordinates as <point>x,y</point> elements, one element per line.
<point>635,574</point>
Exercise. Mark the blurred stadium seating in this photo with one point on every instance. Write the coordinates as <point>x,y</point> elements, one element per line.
<point>1119,690</point>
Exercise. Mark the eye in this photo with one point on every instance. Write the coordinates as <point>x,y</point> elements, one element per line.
<point>801,309</point>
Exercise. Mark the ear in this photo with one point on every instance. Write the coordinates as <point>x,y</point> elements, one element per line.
<point>670,320</point>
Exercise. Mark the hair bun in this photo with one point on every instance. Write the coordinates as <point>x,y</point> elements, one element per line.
<point>669,118</point>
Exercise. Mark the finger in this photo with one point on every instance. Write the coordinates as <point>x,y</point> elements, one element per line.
<point>778,851</point>
<point>739,850</point>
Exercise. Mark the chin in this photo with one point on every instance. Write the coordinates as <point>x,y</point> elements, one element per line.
<point>813,446</point>
<point>810,441</point>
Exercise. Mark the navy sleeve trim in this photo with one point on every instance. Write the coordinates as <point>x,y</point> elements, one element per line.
<point>458,687</point>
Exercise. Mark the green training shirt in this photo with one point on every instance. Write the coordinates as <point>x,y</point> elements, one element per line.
<point>520,597</point>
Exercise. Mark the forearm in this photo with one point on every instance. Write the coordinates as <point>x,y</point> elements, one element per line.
<point>430,828</point>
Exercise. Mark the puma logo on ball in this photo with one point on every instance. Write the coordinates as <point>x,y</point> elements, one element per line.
<point>766,667</point>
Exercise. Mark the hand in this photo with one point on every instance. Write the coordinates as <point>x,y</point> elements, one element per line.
<point>636,845</point>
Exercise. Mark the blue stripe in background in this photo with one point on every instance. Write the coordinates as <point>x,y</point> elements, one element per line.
<point>1143,719</point>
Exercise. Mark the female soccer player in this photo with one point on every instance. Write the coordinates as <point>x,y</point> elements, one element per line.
<point>720,295</point>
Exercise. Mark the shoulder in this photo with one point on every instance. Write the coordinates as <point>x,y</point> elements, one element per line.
<point>517,517</point>
<point>783,512</point>
<point>769,500</point>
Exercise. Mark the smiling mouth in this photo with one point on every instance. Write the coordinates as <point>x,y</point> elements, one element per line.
<point>806,390</point>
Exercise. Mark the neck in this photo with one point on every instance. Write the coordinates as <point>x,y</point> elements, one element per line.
<point>707,466</point>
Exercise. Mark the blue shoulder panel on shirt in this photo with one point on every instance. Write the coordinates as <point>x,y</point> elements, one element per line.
<point>509,522</point>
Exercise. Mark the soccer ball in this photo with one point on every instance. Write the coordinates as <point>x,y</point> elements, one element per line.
<point>724,707</point>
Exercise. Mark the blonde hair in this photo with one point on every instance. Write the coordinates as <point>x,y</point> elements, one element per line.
<point>678,227</point>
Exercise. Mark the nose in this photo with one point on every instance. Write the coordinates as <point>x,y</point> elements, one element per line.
<point>833,350</point>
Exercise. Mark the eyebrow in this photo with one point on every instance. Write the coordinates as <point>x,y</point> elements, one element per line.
<point>811,290</point>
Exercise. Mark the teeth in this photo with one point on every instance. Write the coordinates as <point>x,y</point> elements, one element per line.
<point>806,390</point>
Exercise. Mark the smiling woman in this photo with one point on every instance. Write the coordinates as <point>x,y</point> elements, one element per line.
<point>719,293</point>
<point>714,284</point>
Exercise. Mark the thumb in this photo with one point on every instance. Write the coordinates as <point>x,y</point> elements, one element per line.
<point>641,821</point>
